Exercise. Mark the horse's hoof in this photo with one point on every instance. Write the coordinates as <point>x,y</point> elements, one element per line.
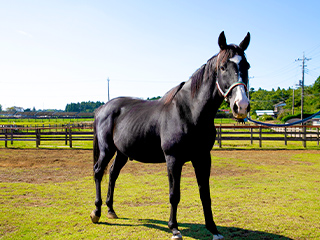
<point>177,236</point>
<point>112,215</point>
<point>217,237</point>
<point>94,217</point>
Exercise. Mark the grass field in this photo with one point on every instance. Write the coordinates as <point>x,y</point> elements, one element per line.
<point>46,122</point>
<point>226,144</point>
<point>256,194</point>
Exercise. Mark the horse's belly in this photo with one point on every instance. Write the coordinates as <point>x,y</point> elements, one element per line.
<point>147,151</point>
<point>146,155</point>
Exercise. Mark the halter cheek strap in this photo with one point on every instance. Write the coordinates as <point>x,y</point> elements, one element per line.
<point>225,94</point>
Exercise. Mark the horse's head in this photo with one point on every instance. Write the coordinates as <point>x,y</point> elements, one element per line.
<point>232,75</point>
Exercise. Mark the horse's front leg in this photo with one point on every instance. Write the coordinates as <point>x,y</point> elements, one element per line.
<point>174,174</point>
<point>202,167</point>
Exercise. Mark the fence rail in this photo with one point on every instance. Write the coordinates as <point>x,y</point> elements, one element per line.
<point>73,133</point>
<point>263,133</point>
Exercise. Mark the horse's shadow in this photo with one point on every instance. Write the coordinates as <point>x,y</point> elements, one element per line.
<point>198,231</point>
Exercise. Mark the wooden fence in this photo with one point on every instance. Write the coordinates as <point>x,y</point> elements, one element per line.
<point>72,133</point>
<point>262,133</point>
<point>64,133</point>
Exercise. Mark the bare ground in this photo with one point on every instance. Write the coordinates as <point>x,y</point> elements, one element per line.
<point>40,165</point>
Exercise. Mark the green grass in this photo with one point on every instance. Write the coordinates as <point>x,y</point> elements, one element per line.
<point>48,145</point>
<point>75,120</point>
<point>226,144</point>
<point>266,144</point>
<point>41,122</point>
<point>46,123</point>
<point>255,195</point>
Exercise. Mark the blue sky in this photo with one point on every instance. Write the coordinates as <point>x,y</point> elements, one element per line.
<point>57,52</point>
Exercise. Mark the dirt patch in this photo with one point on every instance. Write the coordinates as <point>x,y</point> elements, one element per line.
<point>37,166</point>
<point>41,165</point>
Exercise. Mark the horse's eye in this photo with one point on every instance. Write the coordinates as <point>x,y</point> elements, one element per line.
<point>222,68</point>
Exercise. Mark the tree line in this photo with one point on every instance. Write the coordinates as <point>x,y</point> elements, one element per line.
<point>265,100</point>
<point>262,99</point>
<point>88,107</point>
<point>259,100</point>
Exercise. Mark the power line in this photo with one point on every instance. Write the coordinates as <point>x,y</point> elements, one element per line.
<point>278,72</point>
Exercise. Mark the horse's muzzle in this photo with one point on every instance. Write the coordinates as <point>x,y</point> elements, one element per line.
<point>240,109</point>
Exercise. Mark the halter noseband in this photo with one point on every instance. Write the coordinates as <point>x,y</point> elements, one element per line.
<point>225,94</point>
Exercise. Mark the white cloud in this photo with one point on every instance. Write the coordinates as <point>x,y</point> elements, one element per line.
<point>25,34</point>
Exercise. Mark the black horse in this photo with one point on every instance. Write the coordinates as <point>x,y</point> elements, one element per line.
<point>175,129</point>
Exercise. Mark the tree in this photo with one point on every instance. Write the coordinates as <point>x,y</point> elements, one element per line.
<point>316,86</point>
<point>83,106</point>
<point>154,98</point>
<point>14,108</point>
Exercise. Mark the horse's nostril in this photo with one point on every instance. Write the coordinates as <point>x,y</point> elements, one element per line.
<point>235,108</point>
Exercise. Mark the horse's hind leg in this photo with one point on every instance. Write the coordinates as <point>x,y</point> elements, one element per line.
<point>104,158</point>
<point>115,169</point>
<point>174,168</point>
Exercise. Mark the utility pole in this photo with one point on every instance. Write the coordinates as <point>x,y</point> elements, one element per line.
<point>302,81</point>
<point>108,89</point>
<point>248,88</point>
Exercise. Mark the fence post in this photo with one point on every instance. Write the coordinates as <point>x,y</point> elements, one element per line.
<point>37,137</point>
<point>220,137</point>
<point>260,140</point>
<point>66,139</point>
<point>11,135</point>
<point>318,135</point>
<point>285,136</point>
<point>70,137</point>
<point>251,137</point>
<point>304,137</point>
<point>5,138</point>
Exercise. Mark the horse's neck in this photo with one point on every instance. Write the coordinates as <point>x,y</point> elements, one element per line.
<point>206,102</point>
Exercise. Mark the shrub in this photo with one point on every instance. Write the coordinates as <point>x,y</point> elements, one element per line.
<point>221,114</point>
<point>298,115</point>
<point>265,117</point>
<point>283,114</point>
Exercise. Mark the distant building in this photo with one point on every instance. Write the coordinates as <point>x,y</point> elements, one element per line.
<point>265,112</point>
<point>278,108</point>
<point>224,110</point>
<point>315,120</point>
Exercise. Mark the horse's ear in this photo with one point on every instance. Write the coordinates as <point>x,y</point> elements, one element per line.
<point>245,43</point>
<point>222,41</point>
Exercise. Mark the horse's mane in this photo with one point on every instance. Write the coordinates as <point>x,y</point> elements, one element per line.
<point>169,96</point>
<point>206,71</point>
<point>196,80</point>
